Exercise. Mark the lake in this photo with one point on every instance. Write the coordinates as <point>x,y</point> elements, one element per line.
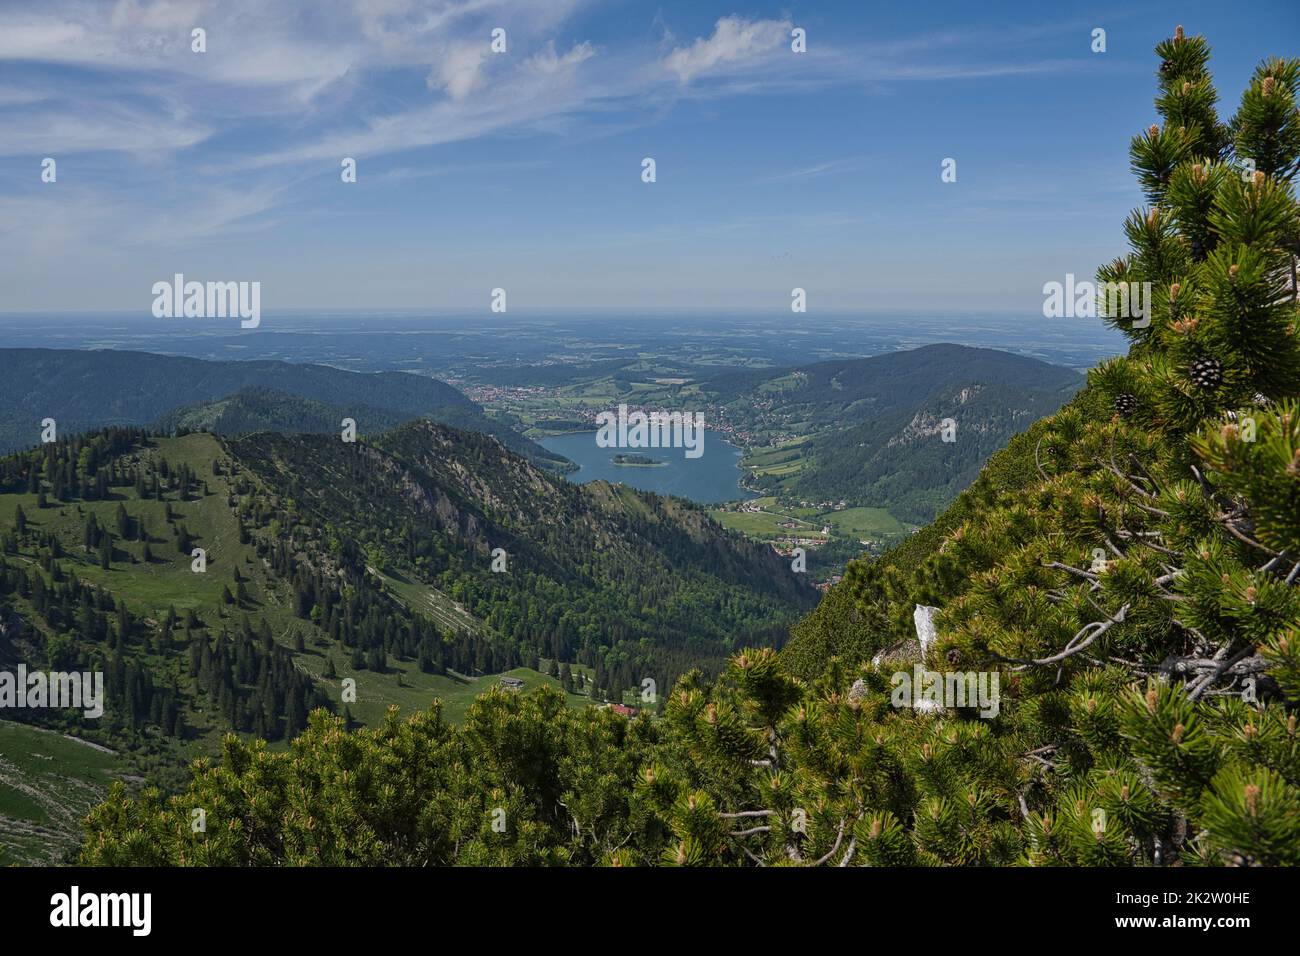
<point>711,478</point>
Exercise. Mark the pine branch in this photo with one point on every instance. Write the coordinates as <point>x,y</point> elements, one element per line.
<point>1224,664</point>
<point>1129,480</point>
<point>848,854</point>
<point>757,859</point>
<point>831,852</point>
<point>1084,638</point>
<point>1227,522</point>
<point>1210,491</point>
<point>1073,570</point>
<point>1202,673</point>
<point>1272,562</point>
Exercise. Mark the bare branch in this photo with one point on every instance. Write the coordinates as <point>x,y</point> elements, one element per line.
<point>1119,474</point>
<point>831,852</point>
<point>1227,522</point>
<point>1073,570</point>
<point>1204,683</point>
<point>1083,639</point>
<point>848,854</point>
<point>752,855</point>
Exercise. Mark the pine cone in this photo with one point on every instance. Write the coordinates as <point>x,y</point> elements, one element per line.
<point>1206,372</point>
<point>1166,67</point>
<point>1126,404</point>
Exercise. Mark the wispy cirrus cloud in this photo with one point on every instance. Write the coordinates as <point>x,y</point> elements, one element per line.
<point>331,70</point>
<point>815,171</point>
<point>285,90</point>
<point>735,42</point>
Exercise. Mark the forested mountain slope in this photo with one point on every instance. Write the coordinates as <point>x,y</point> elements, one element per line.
<point>260,409</point>
<point>869,431</point>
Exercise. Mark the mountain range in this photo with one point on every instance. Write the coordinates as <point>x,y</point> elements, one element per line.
<point>92,388</point>
<point>870,431</point>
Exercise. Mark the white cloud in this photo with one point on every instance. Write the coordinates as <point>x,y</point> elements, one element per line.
<point>735,42</point>
<point>548,63</point>
<point>540,89</point>
<point>108,127</point>
<point>830,167</point>
<point>13,96</point>
<point>460,71</point>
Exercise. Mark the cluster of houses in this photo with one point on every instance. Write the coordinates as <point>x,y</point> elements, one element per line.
<point>786,546</point>
<point>487,394</point>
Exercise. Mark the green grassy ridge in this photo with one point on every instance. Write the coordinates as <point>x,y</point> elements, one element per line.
<point>168,579</point>
<point>149,589</point>
<point>258,408</point>
<point>427,599</point>
<point>403,686</point>
<point>867,427</point>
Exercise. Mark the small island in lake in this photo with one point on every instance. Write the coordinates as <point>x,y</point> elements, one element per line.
<point>641,460</point>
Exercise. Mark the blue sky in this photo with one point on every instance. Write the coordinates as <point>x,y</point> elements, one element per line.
<point>522,170</point>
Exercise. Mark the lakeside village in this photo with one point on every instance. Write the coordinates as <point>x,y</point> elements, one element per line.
<point>587,418</point>
<point>785,545</point>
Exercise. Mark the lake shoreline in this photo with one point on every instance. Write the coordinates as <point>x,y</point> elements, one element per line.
<point>713,478</point>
